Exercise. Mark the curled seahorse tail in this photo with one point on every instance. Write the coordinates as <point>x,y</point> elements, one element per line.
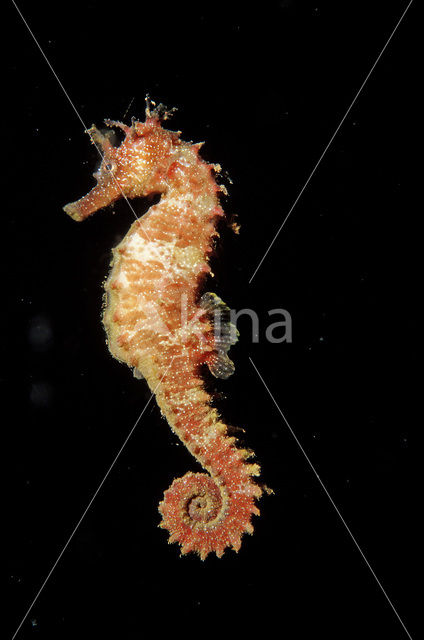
<point>207,514</point>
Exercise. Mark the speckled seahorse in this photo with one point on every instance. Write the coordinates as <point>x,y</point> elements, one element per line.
<point>159,324</point>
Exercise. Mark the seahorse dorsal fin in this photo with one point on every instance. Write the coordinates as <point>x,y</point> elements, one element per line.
<point>220,365</point>
<point>225,335</point>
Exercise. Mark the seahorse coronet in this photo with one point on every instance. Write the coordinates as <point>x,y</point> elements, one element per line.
<point>158,322</point>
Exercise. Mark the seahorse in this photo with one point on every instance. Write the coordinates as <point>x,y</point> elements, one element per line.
<point>159,324</point>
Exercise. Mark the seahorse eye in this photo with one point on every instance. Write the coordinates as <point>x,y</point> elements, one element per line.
<point>108,166</point>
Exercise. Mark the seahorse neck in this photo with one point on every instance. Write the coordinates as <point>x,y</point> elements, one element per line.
<point>190,178</point>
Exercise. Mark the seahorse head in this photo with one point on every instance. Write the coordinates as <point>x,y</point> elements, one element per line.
<point>135,168</point>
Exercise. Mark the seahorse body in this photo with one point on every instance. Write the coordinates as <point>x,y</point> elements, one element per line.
<point>161,262</point>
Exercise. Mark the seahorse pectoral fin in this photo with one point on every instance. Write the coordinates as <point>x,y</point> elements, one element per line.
<point>137,374</point>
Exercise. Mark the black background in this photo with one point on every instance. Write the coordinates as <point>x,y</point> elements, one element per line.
<point>264,85</point>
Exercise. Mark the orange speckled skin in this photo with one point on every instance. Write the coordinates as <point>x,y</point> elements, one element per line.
<point>155,324</point>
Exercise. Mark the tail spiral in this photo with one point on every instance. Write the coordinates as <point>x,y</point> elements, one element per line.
<point>207,514</point>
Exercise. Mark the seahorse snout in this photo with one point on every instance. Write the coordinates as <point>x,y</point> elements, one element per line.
<point>73,211</point>
<point>99,197</point>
